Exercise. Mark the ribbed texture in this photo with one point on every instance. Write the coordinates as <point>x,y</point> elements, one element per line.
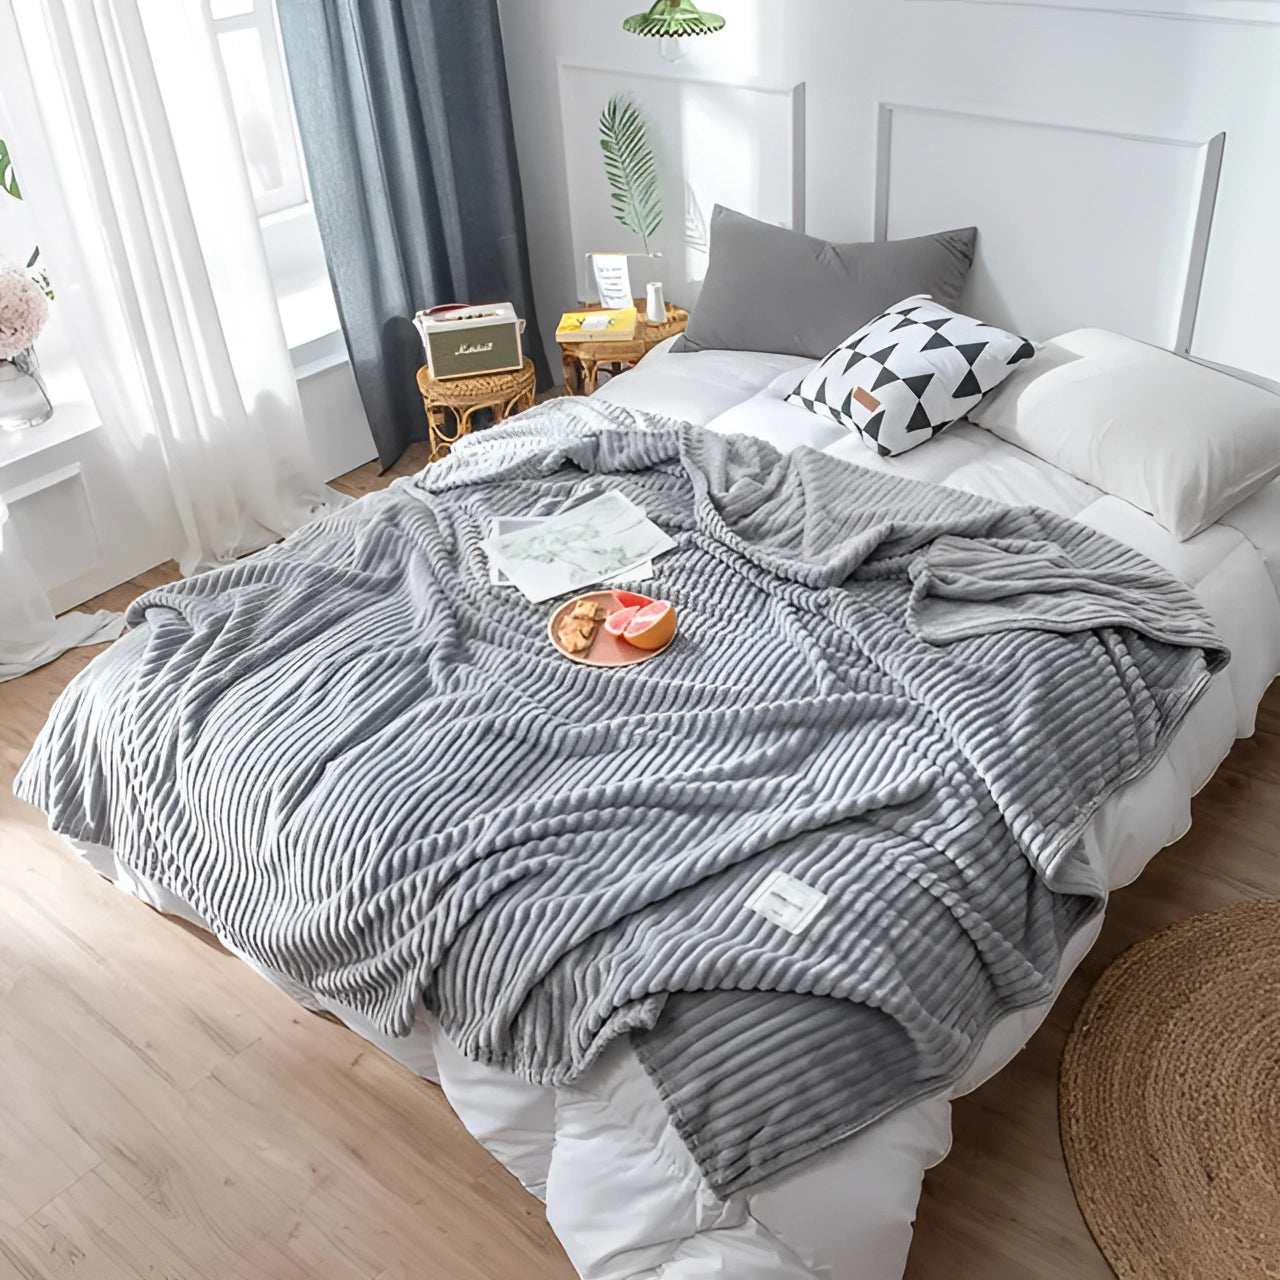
<point>366,768</point>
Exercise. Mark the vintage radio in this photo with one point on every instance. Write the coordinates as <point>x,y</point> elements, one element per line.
<point>464,340</point>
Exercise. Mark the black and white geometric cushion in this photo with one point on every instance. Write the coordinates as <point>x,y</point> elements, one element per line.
<point>909,373</point>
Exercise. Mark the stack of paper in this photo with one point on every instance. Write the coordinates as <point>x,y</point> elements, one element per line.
<point>608,537</point>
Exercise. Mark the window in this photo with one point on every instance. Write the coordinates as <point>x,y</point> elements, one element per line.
<point>249,40</point>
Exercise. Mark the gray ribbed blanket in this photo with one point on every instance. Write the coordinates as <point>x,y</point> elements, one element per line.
<point>366,768</point>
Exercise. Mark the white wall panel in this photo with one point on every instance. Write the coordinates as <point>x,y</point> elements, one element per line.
<point>1077,227</point>
<point>1102,69</point>
<point>1250,12</point>
<point>741,145</point>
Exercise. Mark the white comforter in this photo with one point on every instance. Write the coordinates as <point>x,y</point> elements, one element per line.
<point>621,1190</point>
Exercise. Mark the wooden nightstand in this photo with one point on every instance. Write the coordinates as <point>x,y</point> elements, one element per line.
<point>504,393</point>
<point>583,360</point>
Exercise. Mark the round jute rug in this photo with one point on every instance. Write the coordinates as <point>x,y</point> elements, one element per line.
<point>1169,1101</point>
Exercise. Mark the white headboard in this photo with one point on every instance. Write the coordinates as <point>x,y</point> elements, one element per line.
<point>1076,227</point>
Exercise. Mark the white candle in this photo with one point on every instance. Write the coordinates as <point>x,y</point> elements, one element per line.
<point>655,305</point>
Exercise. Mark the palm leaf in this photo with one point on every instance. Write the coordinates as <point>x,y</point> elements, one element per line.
<point>8,179</point>
<point>631,168</point>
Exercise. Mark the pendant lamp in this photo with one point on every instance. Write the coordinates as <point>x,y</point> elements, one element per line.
<point>673,18</point>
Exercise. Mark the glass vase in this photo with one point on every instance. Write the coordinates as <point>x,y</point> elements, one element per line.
<point>24,402</point>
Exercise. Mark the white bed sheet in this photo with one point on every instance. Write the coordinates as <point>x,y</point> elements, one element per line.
<point>621,1190</point>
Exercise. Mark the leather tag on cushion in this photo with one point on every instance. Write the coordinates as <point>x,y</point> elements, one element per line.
<point>770,289</point>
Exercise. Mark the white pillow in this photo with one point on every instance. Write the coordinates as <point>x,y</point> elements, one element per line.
<point>909,373</point>
<point>1175,438</point>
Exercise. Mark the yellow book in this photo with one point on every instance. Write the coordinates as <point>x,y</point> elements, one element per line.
<point>597,326</point>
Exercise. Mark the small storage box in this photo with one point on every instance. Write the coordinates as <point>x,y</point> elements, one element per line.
<point>471,340</point>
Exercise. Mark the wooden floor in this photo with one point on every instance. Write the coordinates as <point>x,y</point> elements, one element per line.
<point>165,1113</point>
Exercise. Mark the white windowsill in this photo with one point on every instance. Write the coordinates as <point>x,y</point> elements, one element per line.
<point>320,354</point>
<point>74,414</point>
<point>308,314</point>
<point>307,311</point>
<point>300,275</point>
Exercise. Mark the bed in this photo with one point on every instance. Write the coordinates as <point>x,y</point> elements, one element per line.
<point>605,1139</point>
<point>600,1144</point>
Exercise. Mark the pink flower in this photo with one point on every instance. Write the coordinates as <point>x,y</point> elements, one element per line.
<point>23,310</point>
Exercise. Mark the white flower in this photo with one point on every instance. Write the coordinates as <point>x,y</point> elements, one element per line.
<point>23,310</point>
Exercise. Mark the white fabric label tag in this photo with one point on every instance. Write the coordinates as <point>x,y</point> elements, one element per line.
<point>787,902</point>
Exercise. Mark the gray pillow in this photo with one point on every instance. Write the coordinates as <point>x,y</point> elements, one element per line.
<point>770,289</point>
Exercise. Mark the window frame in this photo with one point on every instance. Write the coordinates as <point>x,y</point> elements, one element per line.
<point>260,17</point>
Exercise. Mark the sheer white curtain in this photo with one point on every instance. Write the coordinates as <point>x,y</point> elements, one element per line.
<point>132,166</point>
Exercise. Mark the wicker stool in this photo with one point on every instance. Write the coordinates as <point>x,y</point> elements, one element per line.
<point>583,360</point>
<point>504,393</point>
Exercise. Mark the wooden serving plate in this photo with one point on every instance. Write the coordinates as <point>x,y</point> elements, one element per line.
<point>606,650</point>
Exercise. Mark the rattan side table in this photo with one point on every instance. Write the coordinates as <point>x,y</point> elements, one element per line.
<point>582,361</point>
<point>504,393</point>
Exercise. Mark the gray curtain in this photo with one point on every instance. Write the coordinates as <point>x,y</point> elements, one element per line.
<point>406,126</point>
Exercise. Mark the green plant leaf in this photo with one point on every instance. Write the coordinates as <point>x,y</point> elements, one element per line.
<point>39,274</point>
<point>8,179</point>
<point>630,167</point>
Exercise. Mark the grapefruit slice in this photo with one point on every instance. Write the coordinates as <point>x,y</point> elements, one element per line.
<point>616,623</point>
<point>651,627</point>
<point>630,599</point>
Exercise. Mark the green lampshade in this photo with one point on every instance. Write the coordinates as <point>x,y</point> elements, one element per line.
<point>669,18</point>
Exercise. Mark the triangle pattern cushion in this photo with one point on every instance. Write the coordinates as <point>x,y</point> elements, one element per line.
<point>920,421</point>
<point>910,373</point>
